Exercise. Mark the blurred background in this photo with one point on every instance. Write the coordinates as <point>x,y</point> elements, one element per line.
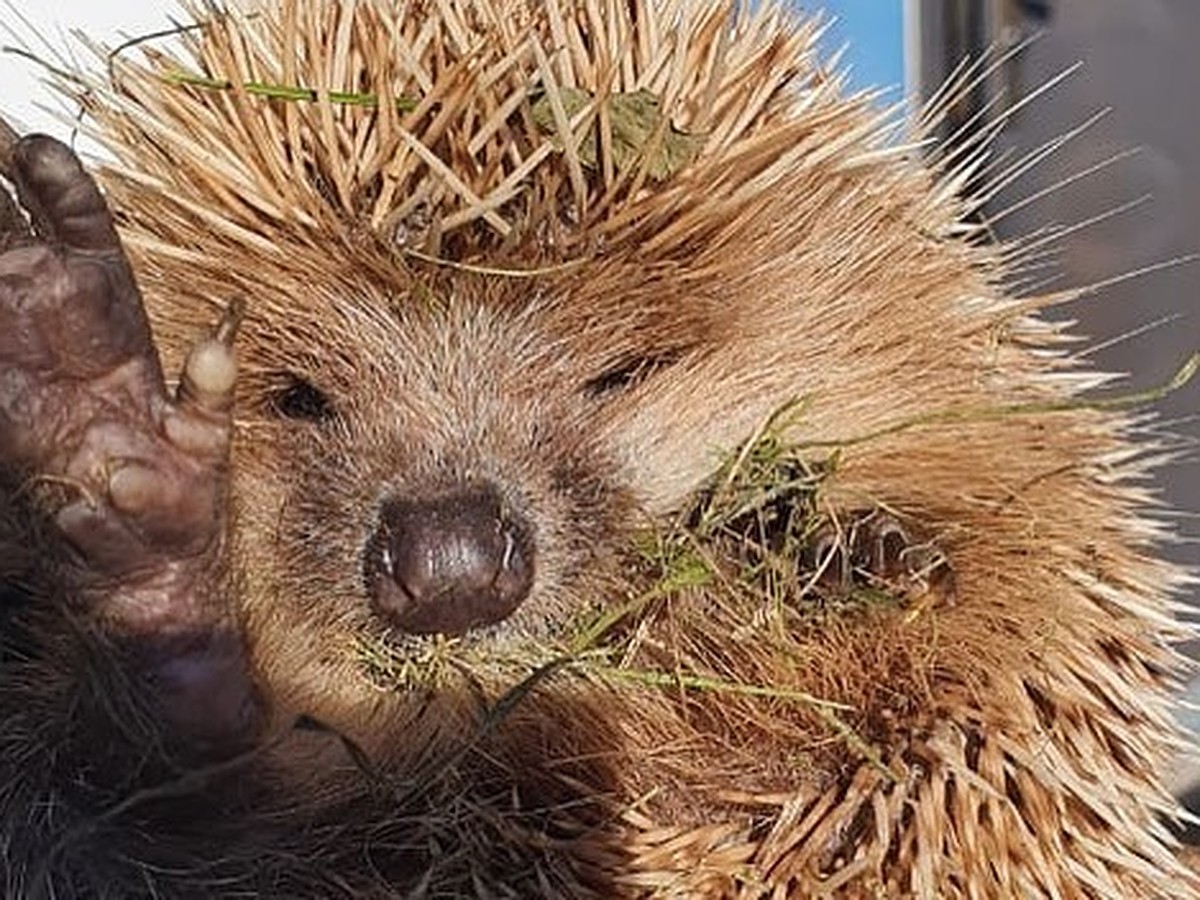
<point>1131,221</point>
<point>1138,211</point>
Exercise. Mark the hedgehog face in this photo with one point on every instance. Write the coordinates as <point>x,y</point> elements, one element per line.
<point>425,471</point>
<point>424,492</point>
<point>473,458</point>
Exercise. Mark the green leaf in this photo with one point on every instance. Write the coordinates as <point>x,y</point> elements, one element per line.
<point>638,126</point>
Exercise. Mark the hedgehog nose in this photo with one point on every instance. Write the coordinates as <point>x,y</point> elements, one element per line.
<point>449,564</point>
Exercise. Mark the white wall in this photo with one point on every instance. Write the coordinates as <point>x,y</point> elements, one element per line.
<point>34,23</point>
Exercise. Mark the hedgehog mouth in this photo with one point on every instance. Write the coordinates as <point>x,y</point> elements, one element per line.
<point>451,613</point>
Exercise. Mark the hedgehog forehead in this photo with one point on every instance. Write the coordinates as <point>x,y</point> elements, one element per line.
<point>366,351</point>
<point>525,330</point>
<point>426,395</point>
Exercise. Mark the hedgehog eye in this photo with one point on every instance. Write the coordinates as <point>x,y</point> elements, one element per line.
<point>628,373</point>
<point>298,399</point>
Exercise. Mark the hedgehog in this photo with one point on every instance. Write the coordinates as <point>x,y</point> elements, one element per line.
<point>513,448</point>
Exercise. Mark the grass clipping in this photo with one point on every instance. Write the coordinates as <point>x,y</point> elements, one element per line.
<point>753,645</point>
<point>723,621</point>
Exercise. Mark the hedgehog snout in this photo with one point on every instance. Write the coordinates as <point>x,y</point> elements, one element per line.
<point>451,563</point>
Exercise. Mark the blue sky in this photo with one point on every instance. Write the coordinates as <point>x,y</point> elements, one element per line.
<point>874,31</point>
